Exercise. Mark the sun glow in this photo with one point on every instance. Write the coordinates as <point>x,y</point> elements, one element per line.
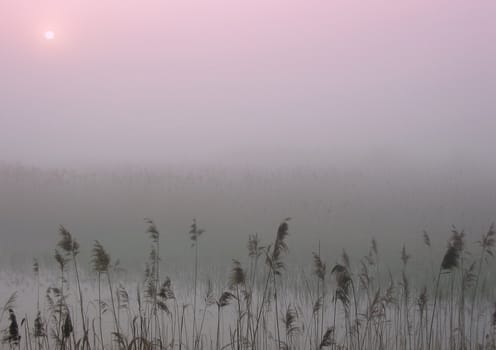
<point>49,35</point>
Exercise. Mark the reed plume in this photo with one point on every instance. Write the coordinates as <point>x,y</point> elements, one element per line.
<point>486,244</point>
<point>9,305</point>
<point>194,234</point>
<point>36,271</point>
<point>100,260</point>
<point>153,279</point>
<point>342,275</point>
<point>450,261</point>
<point>67,327</point>
<point>290,324</point>
<point>224,300</point>
<point>237,281</point>
<point>39,327</point>
<point>12,336</point>
<point>277,265</point>
<point>319,267</point>
<point>328,338</point>
<point>320,270</point>
<point>71,248</point>
<point>427,238</point>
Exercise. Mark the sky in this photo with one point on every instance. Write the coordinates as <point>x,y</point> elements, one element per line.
<point>158,82</point>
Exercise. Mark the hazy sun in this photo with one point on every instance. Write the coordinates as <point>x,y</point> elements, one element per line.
<point>49,35</point>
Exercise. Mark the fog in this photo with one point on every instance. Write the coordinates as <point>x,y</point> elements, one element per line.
<point>254,174</point>
<point>358,120</point>
<point>338,207</point>
<point>210,81</point>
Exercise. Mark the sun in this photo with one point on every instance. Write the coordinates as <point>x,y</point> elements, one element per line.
<point>49,35</point>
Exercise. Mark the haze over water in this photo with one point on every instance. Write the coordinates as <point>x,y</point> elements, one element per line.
<point>358,119</point>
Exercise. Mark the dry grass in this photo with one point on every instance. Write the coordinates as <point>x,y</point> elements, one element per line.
<point>356,305</point>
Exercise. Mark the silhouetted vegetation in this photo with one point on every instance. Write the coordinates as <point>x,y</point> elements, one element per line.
<point>364,306</point>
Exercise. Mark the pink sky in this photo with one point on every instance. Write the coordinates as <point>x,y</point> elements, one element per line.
<point>158,81</point>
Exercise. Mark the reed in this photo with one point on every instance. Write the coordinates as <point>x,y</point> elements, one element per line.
<point>71,248</point>
<point>263,306</point>
<point>194,234</point>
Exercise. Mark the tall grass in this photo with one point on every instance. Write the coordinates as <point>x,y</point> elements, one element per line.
<point>357,305</point>
<point>71,248</point>
<point>195,233</point>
